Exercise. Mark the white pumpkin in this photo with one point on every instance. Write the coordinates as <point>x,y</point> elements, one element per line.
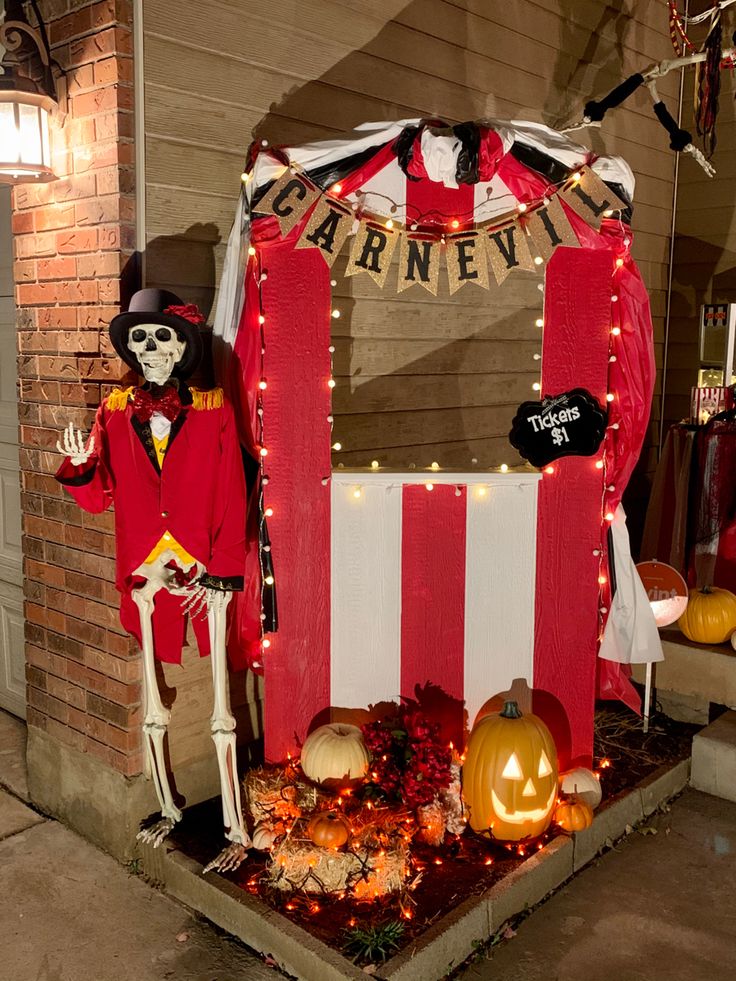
<point>583,784</point>
<point>263,836</point>
<point>335,754</point>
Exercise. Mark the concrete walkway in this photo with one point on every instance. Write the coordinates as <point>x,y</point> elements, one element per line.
<point>657,908</point>
<point>68,912</point>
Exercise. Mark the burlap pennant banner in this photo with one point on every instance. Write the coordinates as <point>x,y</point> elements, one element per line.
<point>467,261</point>
<point>510,242</point>
<point>549,227</point>
<point>419,262</point>
<point>328,227</point>
<point>508,250</point>
<point>371,252</point>
<point>592,199</point>
<point>288,199</point>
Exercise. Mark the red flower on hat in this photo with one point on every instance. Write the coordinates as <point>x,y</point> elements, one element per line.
<point>187,311</point>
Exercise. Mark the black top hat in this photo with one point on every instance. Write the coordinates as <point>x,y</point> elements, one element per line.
<point>154,306</point>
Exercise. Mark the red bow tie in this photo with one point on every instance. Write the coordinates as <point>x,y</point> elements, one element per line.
<point>167,402</point>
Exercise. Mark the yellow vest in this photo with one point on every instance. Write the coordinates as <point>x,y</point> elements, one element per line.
<point>167,540</point>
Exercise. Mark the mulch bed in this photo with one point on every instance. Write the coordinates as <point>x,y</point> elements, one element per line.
<point>464,867</point>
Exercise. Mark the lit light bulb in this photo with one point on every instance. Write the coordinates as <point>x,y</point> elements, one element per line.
<point>539,322</point>
<point>429,486</point>
<point>261,319</point>
<point>336,188</point>
<point>251,250</point>
<point>599,464</point>
<point>331,348</point>
<point>375,464</point>
<point>268,512</point>
<point>262,385</point>
<point>357,492</point>
<point>521,207</point>
<point>612,358</point>
<point>538,260</point>
<point>245,177</point>
<point>610,397</point>
<point>434,465</point>
<point>614,298</point>
<point>577,176</point>
<point>609,515</point>
<point>455,223</point>
<point>602,580</point>
<point>390,223</point>
<point>337,446</point>
<point>335,314</point>
<point>549,469</point>
<point>619,262</point>
<point>536,386</point>
<point>616,331</point>
<point>331,383</point>
<point>263,451</point>
<point>268,580</point>
<point>504,468</point>
<point>266,642</point>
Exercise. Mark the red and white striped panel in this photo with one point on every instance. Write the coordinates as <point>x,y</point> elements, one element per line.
<point>432,586</point>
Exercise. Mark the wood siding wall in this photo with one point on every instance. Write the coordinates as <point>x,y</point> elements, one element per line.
<point>220,73</point>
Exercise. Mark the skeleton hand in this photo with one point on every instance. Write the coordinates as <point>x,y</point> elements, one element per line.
<point>201,599</point>
<point>73,446</point>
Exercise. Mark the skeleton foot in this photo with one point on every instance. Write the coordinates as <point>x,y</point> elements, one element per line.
<point>229,859</point>
<point>157,832</point>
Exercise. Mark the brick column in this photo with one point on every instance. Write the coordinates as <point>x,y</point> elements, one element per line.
<point>73,239</point>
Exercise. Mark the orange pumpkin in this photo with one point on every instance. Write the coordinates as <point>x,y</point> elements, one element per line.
<point>510,776</point>
<point>574,815</point>
<point>329,829</point>
<point>710,616</point>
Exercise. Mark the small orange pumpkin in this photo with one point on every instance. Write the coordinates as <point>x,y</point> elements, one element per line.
<point>328,829</point>
<point>573,815</point>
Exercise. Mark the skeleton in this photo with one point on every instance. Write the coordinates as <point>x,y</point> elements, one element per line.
<point>158,349</point>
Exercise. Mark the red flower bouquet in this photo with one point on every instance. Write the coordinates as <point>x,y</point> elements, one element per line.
<point>409,761</point>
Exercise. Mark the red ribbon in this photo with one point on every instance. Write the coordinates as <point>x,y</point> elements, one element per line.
<point>167,403</point>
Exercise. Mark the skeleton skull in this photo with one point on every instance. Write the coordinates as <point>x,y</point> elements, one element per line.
<point>158,349</point>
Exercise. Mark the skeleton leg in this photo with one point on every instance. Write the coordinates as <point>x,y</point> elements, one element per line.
<point>223,734</point>
<point>155,721</point>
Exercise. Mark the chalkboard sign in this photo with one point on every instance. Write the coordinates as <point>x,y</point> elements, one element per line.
<point>570,424</point>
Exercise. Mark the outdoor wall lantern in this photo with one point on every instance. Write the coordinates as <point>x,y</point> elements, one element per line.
<point>25,104</point>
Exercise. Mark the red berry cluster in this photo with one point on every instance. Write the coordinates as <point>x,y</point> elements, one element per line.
<point>409,762</point>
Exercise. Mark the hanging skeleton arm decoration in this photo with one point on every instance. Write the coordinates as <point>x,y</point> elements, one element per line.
<point>158,349</point>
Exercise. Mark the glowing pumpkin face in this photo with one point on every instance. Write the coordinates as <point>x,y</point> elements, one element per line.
<point>510,776</point>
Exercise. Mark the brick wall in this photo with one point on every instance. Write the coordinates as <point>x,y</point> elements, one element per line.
<point>73,238</point>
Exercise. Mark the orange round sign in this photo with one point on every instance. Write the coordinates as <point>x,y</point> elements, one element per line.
<point>666,589</point>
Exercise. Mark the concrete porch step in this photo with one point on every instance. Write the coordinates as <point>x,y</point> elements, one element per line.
<point>692,677</point>
<point>714,758</point>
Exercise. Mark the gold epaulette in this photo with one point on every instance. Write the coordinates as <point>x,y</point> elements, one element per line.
<point>214,399</point>
<point>118,398</point>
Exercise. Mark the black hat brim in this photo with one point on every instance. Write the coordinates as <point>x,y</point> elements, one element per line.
<point>120,325</point>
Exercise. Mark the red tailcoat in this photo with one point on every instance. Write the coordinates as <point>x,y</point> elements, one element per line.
<point>198,496</point>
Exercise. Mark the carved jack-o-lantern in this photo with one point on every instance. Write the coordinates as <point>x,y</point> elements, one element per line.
<point>510,776</point>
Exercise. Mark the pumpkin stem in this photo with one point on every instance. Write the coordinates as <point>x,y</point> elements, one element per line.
<point>511,710</point>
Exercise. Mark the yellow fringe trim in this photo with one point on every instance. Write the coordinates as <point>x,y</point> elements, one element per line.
<point>213,399</point>
<point>118,398</point>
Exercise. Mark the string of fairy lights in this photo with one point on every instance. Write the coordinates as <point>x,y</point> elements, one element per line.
<point>451,223</point>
